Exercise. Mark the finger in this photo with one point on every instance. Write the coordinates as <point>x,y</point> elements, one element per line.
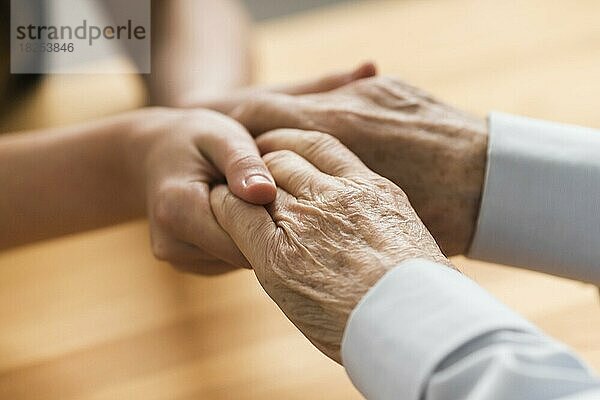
<point>196,226</point>
<point>280,108</point>
<point>296,175</point>
<point>166,248</point>
<point>250,226</point>
<point>323,151</point>
<point>206,268</point>
<point>233,151</point>
<point>270,111</point>
<point>329,82</point>
<point>283,206</point>
<point>186,257</point>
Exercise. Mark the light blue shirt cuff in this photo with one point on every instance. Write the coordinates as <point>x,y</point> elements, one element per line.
<point>540,207</point>
<point>410,321</point>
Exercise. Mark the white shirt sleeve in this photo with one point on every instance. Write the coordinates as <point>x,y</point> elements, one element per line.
<point>541,200</point>
<point>425,331</point>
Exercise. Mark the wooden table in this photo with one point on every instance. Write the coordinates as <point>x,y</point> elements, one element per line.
<point>95,317</point>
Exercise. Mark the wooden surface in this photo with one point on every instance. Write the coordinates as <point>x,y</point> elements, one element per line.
<point>95,317</point>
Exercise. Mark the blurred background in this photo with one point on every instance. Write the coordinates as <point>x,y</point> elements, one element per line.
<point>264,9</point>
<point>94,316</point>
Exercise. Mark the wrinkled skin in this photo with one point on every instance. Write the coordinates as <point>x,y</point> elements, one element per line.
<point>434,152</point>
<point>325,83</point>
<point>177,155</point>
<point>335,228</point>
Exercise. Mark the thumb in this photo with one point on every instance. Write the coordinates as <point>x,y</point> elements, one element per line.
<point>250,226</point>
<point>234,152</point>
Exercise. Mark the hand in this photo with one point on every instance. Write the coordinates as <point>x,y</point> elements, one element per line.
<point>335,228</point>
<point>434,152</point>
<point>326,83</point>
<point>177,155</point>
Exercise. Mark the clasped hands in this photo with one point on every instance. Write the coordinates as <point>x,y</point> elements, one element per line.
<point>324,217</point>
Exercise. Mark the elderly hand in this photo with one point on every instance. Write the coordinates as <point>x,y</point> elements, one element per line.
<point>335,228</point>
<point>226,104</point>
<point>434,152</point>
<point>176,156</point>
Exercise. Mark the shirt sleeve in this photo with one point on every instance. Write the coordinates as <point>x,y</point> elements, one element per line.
<point>425,331</point>
<point>540,207</point>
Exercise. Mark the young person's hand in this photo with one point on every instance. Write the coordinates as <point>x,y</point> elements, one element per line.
<point>433,151</point>
<point>334,230</point>
<point>155,162</point>
<point>177,155</point>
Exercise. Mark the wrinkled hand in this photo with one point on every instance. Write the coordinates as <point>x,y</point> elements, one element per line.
<point>434,152</point>
<point>177,155</point>
<point>325,83</point>
<point>335,228</point>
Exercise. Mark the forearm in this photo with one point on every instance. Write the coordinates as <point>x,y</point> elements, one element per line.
<point>199,46</point>
<point>61,181</point>
<point>428,332</point>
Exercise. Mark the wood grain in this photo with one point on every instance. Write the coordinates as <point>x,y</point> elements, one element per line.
<point>93,316</point>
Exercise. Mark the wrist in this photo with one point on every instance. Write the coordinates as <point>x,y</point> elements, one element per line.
<point>139,132</point>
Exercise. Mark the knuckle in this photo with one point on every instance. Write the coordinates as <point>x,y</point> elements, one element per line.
<point>384,84</point>
<point>244,160</point>
<point>166,206</point>
<point>241,112</point>
<point>161,251</point>
<point>253,105</point>
<point>276,157</point>
<point>317,142</point>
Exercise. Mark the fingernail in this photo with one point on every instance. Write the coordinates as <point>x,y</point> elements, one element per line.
<point>256,180</point>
